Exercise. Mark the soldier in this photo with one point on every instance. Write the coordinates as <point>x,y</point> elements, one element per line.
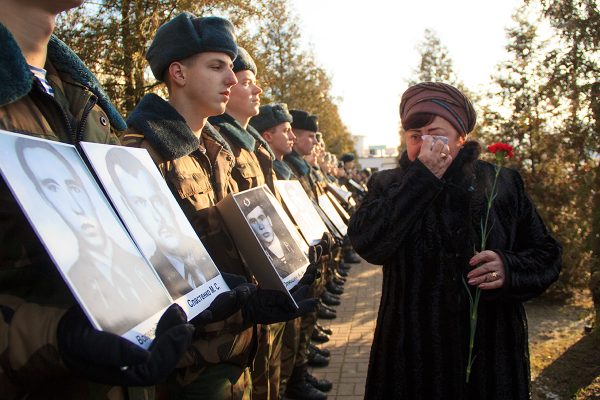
<point>193,56</point>
<point>48,347</point>
<point>253,167</point>
<point>274,124</point>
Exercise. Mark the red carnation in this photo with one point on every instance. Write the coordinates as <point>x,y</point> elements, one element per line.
<point>507,149</point>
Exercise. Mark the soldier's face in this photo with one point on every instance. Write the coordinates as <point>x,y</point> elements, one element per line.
<point>281,139</point>
<point>151,208</point>
<point>244,100</point>
<point>261,225</point>
<point>65,192</point>
<point>305,141</point>
<point>207,82</point>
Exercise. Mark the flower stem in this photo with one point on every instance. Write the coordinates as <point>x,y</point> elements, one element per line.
<point>474,305</point>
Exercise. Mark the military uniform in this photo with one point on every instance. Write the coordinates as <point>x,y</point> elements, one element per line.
<point>33,296</point>
<point>254,167</point>
<point>198,173</point>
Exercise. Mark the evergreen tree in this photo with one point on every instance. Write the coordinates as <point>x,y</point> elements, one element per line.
<point>292,76</point>
<point>436,63</point>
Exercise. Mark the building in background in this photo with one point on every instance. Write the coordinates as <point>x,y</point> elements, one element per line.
<point>376,157</point>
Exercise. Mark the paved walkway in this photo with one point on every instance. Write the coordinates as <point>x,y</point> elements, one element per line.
<point>353,328</point>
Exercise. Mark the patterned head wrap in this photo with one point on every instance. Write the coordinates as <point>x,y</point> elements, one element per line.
<point>439,99</point>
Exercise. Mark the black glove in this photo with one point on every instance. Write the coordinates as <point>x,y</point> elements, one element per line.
<point>327,242</point>
<point>315,252</point>
<point>110,359</point>
<point>227,303</point>
<point>312,272</point>
<point>270,306</point>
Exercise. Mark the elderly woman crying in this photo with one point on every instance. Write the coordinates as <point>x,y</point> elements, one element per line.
<point>422,222</point>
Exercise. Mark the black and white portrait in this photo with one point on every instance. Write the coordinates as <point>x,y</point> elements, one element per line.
<point>333,215</point>
<point>84,237</point>
<point>302,210</point>
<point>153,217</point>
<point>276,240</point>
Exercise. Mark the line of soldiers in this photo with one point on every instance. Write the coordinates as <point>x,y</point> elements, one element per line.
<point>208,139</point>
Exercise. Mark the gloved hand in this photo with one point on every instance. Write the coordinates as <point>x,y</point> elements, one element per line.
<point>312,272</point>
<point>268,306</point>
<point>227,303</point>
<point>327,243</point>
<point>110,359</point>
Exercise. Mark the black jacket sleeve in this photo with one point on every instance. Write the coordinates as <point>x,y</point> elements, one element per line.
<point>534,262</point>
<point>395,201</point>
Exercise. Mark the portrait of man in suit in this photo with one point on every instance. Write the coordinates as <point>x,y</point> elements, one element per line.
<point>116,285</point>
<point>178,258</point>
<point>277,243</point>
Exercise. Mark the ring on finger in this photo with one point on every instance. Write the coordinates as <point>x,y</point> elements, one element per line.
<point>494,275</point>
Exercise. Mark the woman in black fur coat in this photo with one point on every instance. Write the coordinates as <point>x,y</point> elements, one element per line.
<point>421,221</point>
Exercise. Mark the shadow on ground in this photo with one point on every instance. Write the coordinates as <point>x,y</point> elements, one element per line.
<point>573,375</point>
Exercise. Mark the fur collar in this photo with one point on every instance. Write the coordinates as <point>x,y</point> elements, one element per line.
<point>260,140</point>
<point>297,163</point>
<point>16,79</point>
<point>232,130</point>
<point>166,130</point>
<point>282,170</point>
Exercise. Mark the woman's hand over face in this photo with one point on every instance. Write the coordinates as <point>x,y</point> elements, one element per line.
<point>435,156</point>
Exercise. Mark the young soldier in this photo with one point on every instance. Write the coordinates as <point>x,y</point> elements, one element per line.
<point>274,124</point>
<point>193,57</point>
<point>47,346</point>
<point>253,167</point>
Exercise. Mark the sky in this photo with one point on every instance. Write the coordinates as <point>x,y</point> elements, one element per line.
<point>370,52</point>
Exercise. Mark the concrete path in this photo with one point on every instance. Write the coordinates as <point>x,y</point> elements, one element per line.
<point>353,328</point>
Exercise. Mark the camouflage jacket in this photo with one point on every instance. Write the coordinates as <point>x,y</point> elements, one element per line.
<point>303,172</point>
<point>197,172</point>
<point>33,296</point>
<point>253,156</point>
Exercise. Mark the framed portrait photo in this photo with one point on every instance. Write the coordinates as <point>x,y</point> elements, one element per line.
<point>114,283</point>
<point>157,224</point>
<point>267,239</point>
<point>302,210</point>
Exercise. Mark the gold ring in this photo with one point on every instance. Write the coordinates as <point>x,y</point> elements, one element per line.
<point>494,275</point>
<point>444,156</point>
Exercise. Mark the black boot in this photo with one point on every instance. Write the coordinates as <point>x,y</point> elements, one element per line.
<point>322,384</point>
<point>333,288</point>
<point>316,359</point>
<point>325,313</point>
<point>323,352</point>
<point>319,337</point>
<point>299,389</point>
<point>351,257</point>
<point>328,299</point>
<point>326,331</point>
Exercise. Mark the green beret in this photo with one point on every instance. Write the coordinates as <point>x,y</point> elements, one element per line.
<point>305,121</point>
<point>347,157</point>
<point>269,116</point>
<point>186,35</point>
<point>244,62</point>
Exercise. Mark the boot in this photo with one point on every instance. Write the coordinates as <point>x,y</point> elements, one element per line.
<point>299,389</point>
<point>324,313</point>
<point>326,331</point>
<point>333,288</point>
<point>328,299</point>
<point>351,257</point>
<point>319,337</point>
<point>323,352</point>
<point>322,384</point>
<point>317,360</point>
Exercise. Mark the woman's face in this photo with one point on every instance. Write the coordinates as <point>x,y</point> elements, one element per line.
<point>438,127</point>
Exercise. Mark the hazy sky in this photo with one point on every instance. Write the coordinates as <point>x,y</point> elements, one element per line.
<point>370,52</point>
